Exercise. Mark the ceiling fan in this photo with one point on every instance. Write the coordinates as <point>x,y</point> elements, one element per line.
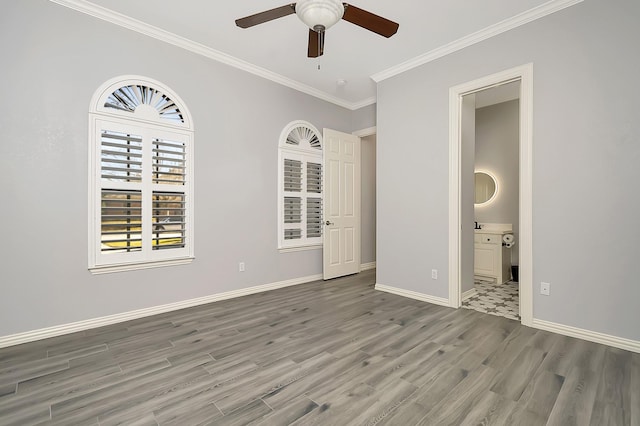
<point>319,15</point>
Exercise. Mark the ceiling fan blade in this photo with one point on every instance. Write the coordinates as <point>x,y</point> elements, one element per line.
<point>369,21</point>
<point>316,44</point>
<point>267,15</point>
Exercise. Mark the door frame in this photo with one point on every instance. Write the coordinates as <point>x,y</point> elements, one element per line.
<point>363,133</point>
<point>524,74</point>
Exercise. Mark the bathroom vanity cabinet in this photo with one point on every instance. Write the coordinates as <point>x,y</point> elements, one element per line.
<point>491,258</point>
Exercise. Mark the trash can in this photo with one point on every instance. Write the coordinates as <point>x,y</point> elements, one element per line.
<point>514,273</point>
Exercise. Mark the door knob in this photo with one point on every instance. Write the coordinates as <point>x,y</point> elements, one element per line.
<point>328,223</point>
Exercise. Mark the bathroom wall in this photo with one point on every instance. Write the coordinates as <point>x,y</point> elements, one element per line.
<point>497,143</point>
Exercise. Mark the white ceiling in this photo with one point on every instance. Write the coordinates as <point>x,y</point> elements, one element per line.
<point>351,53</point>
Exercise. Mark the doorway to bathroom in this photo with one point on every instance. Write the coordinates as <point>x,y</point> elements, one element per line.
<point>490,223</point>
<point>490,148</point>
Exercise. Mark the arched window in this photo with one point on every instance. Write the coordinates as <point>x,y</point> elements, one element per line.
<point>300,187</point>
<point>140,177</point>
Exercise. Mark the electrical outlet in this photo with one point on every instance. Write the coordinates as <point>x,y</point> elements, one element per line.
<point>241,267</point>
<point>434,274</point>
<point>545,288</point>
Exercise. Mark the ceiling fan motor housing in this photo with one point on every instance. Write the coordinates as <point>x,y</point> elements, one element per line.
<point>319,13</point>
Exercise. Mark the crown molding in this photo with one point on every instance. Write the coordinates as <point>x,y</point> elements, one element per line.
<point>88,8</point>
<point>363,103</point>
<point>108,15</point>
<point>471,39</point>
<point>366,132</point>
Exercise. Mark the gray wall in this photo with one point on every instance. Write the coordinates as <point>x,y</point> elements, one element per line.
<point>53,61</point>
<point>368,199</point>
<point>364,118</point>
<point>586,201</point>
<point>497,150</point>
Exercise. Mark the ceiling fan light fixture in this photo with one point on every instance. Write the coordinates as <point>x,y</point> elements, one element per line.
<point>319,13</point>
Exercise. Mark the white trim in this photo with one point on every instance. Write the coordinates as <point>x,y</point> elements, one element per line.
<point>365,132</point>
<point>361,134</point>
<point>469,294</point>
<point>367,266</point>
<point>363,103</point>
<point>455,219</point>
<point>523,73</point>
<point>200,49</point>
<point>592,336</point>
<point>58,330</point>
<point>413,295</point>
<point>107,269</point>
<point>301,248</point>
<point>471,39</point>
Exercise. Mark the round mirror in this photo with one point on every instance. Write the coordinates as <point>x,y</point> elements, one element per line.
<point>486,187</point>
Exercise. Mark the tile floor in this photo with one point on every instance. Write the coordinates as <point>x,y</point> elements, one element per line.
<point>501,300</point>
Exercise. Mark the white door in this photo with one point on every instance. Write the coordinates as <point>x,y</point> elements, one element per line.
<point>341,185</point>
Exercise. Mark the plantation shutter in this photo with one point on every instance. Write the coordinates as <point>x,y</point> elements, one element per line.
<point>169,206</point>
<point>121,221</point>
<point>314,217</point>
<point>292,201</point>
<point>168,220</point>
<point>314,177</point>
<point>121,157</point>
<point>314,204</point>
<point>302,200</point>
<point>143,193</point>
<point>121,194</point>
<point>169,162</point>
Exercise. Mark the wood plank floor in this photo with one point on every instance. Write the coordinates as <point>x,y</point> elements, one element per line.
<point>326,353</point>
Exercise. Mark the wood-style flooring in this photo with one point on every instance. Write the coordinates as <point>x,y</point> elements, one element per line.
<point>325,353</point>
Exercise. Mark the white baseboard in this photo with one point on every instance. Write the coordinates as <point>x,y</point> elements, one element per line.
<point>58,330</point>
<point>592,336</point>
<point>413,295</point>
<point>469,293</point>
<point>367,266</point>
<point>45,333</point>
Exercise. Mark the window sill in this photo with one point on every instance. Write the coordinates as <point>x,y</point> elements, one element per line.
<point>108,269</point>
<point>300,248</point>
